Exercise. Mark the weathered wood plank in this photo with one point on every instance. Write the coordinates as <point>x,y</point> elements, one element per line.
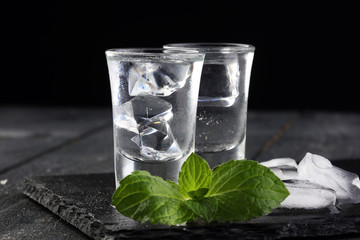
<point>26,133</point>
<point>262,126</point>
<point>330,134</point>
<point>88,155</point>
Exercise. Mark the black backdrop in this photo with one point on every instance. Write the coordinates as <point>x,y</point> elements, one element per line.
<point>305,58</point>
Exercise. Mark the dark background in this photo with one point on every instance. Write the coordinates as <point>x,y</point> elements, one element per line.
<point>306,57</point>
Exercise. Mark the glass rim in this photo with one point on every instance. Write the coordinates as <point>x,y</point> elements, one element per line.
<point>154,52</point>
<point>213,47</point>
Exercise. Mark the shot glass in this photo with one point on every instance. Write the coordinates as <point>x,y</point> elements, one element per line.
<point>223,97</point>
<point>154,99</point>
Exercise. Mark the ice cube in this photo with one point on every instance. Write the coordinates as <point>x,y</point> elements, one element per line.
<point>157,142</point>
<point>157,79</point>
<point>285,172</point>
<point>276,162</point>
<point>219,83</point>
<point>141,110</point>
<point>277,172</point>
<point>318,169</point>
<point>304,194</point>
<point>284,168</point>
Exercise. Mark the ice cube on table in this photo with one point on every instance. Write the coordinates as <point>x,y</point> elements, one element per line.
<point>276,162</point>
<point>308,195</point>
<point>157,142</point>
<point>277,172</point>
<point>283,168</point>
<point>284,172</point>
<point>141,110</point>
<point>157,79</point>
<point>318,169</point>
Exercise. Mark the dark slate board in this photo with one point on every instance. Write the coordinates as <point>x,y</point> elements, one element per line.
<point>25,219</point>
<point>84,201</point>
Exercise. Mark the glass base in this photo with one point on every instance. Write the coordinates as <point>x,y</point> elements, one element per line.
<point>166,170</point>
<point>216,158</point>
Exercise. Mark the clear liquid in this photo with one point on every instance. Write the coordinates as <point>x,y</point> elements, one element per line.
<point>221,133</point>
<point>222,111</point>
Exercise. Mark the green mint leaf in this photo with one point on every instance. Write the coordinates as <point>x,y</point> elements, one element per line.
<point>195,174</point>
<point>198,194</point>
<point>144,197</point>
<point>205,208</point>
<point>244,190</point>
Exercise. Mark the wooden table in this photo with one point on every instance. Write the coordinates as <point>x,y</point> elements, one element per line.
<point>60,141</point>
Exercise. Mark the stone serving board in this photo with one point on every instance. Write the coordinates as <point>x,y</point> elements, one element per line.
<point>85,202</point>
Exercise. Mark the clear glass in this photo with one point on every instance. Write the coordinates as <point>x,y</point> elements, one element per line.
<point>223,98</point>
<point>154,98</point>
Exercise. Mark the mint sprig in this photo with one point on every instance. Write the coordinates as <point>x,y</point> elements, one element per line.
<point>234,191</point>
